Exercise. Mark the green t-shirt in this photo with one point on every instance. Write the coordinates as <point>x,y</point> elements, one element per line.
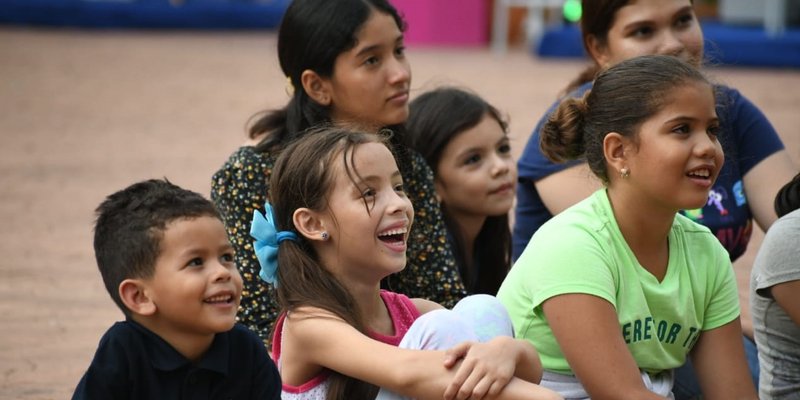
<point>582,250</point>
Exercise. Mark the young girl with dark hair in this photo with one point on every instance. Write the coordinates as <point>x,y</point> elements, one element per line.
<point>345,64</point>
<point>616,291</point>
<point>337,223</point>
<point>464,140</point>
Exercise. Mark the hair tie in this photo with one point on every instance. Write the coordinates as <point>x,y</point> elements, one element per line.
<point>267,238</point>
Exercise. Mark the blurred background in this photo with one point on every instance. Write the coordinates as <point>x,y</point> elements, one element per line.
<point>98,94</point>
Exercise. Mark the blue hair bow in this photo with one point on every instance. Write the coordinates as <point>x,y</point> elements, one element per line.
<point>266,243</point>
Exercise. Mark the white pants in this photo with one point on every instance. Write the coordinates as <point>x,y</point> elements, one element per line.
<point>475,318</point>
<point>571,388</point>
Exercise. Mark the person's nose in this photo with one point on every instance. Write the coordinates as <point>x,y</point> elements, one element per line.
<point>500,165</point>
<point>399,71</point>
<point>399,203</point>
<point>222,271</point>
<point>707,146</point>
<point>671,43</point>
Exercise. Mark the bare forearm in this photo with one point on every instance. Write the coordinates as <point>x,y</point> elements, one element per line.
<point>529,366</point>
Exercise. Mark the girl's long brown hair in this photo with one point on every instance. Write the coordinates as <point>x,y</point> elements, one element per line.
<point>302,177</point>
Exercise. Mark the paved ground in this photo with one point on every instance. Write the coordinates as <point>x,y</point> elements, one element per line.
<point>83,114</point>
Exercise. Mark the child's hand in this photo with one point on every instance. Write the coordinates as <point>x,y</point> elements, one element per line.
<point>456,353</point>
<point>485,368</point>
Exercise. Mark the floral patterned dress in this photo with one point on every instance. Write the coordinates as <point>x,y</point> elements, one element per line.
<point>240,186</point>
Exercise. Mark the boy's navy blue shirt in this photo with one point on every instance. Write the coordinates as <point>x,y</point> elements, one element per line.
<point>132,362</point>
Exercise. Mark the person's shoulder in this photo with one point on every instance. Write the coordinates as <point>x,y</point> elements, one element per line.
<point>247,155</point>
<point>687,225</point>
<point>122,344</point>
<point>698,238</point>
<point>418,165</point>
<point>245,344</point>
<point>728,96</point>
<point>414,305</point>
<point>786,225</point>
<point>241,332</point>
<point>693,231</point>
<point>246,164</point>
<point>791,219</point>
<point>593,210</point>
<point>122,332</point>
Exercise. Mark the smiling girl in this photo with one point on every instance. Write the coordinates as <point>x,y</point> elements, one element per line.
<point>616,291</point>
<point>341,223</point>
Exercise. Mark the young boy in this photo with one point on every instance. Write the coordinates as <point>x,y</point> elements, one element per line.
<point>166,261</point>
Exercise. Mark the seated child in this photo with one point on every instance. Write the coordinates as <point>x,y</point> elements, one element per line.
<point>465,141</point>
<point>166,262</point>
<point>340,225</point>
<point>617,291</point>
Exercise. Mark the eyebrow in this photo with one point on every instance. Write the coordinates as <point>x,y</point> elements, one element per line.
<point>646,21</point>
<point>687,118</point>
<point>369,178</point>
<point>377,46</point>
<point>473,149</point>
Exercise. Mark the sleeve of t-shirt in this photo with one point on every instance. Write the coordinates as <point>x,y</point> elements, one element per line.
<point>755,137</point>
<point>567,260</point>
<point>723,300</point>
<point>777,257</point>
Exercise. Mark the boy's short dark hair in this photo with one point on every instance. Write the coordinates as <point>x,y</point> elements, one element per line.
<point>130,225</point>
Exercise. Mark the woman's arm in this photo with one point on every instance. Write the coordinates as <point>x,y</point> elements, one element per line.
<point>323,340</point>
<point>719,361</point>
<point>563,189</point>
<point>587,330</point>
<point>762,183</point>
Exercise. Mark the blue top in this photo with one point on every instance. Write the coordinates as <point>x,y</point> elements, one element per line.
<point>133,362</point>
<point>747,138</point>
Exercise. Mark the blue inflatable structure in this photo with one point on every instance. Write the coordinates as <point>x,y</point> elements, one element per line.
<point>180,14</point>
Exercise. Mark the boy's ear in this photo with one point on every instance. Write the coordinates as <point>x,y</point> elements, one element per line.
<point>134,295</point>
<point>615,149</point>
<point>316,87</point>
<point>309,224</point>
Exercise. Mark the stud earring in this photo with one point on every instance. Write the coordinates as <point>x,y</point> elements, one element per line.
<point>624,172</point>
<point>324,235</point>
